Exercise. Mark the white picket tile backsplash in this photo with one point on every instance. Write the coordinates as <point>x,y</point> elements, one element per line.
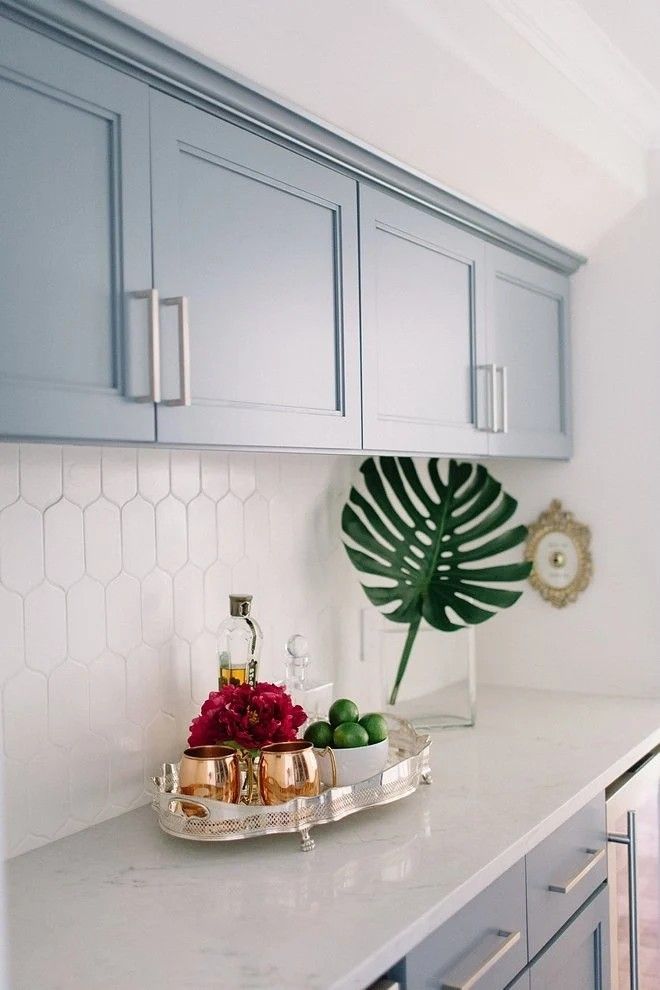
<point>8,474</point>
<point>22,543</point>
<point>45,628</point>
<point>86,619</point>
<point>138,537</point>
<point>81,475</point>
<point>115,567</point>
<point>40,475</point>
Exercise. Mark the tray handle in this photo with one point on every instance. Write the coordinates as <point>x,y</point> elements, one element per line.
<point>186,806</point>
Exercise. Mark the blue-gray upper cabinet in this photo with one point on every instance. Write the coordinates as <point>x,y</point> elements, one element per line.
<point>423,329</point>
<point>75,244</point>
<point>528,358</point>
<point>261,243</point>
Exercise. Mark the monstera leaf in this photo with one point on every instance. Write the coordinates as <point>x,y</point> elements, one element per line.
<point>426,541</point>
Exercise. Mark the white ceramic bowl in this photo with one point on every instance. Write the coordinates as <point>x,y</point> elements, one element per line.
<point>352,765</point>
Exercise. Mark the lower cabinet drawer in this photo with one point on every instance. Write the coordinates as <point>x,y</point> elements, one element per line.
<point>484,945</point>
<point>563,871</point>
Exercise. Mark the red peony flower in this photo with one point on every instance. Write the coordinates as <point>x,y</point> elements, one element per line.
<point>248,716</point>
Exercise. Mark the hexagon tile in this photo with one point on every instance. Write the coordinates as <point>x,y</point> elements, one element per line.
<point>115,566</point>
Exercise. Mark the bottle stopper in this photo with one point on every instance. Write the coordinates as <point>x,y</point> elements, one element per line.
<point>297,661</point>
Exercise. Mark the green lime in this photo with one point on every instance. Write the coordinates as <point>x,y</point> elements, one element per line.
<point>343,710</point>
<point>376,727</point>
<point>349,735</point>
<point>319,733</point>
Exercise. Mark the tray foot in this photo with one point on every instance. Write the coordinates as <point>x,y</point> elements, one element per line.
<point>427,776</point>
<point>307,843</point>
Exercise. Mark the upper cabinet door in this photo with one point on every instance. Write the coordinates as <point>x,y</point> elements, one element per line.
<point>257,246</point>
<point>423,332</point>
<point>75,244</point>
<point>528,343</point>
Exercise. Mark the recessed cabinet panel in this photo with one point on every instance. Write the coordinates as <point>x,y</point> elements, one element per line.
<point>528,344</point>
<point>263,243</point>
<point>422,329</point>
<point>274,295</point>
<point>53,190</point>
<point>74,202</point>
<point>579,958</point>
<point>533,356</point>
<point>439,284</point>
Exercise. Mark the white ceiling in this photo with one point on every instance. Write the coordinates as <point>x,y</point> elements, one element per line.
<point>542,110</point>
<point>634,27</point>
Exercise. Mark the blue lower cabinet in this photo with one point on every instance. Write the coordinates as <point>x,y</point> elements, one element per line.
<point>563,871</point>
<point>510,937</point>
<point>578,958</point>
<point>75,244</point>
<point>470,951</point>
<point>521,983</point>
<point>484,945</point>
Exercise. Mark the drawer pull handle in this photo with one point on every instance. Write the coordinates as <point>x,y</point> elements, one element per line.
<point>505,942</point>
<point>596,856</point>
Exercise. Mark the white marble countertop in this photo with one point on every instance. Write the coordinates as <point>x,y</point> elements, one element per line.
<point>124,906</point>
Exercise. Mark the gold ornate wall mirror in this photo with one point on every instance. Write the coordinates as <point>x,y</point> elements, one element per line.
<point>559,548</point>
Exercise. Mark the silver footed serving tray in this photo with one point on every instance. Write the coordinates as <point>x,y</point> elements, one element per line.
<point>215,821</point>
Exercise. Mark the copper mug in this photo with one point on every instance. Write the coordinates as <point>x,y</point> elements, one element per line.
<point>210,772</point>
<point>288,770</point>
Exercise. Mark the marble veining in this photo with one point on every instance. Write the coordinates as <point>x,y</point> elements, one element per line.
<point>121,904</point>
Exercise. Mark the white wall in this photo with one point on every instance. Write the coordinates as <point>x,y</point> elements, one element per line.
<point>609,641</point>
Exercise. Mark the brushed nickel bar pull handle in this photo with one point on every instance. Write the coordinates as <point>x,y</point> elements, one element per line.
<point>457,982</point>
<point>596,856</point>
<point>181,302</point>
<point>154,346</point>
<point>629,839</point>
<point>504,398</point>
<point>491,398</point>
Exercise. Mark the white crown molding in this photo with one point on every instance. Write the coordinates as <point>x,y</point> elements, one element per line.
<point>564,34</point>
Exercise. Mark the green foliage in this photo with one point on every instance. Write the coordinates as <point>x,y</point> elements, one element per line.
<point>424,540</point>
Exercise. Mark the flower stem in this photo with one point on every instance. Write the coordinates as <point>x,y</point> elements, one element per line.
<point>405,656</point>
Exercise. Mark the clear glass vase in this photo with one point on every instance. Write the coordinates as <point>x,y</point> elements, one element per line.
<point>249,764</point>
<point>439,688</point>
